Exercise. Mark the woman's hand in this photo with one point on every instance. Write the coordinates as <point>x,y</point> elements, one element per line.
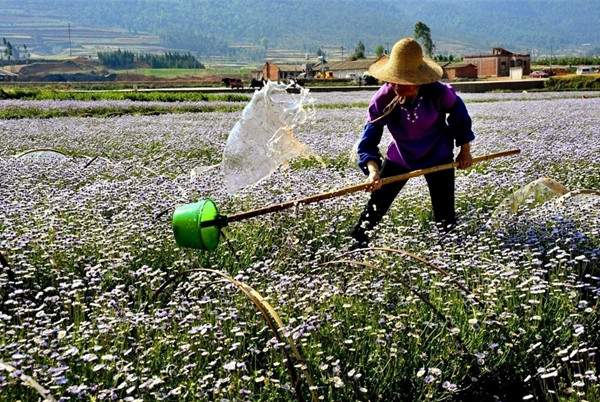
<point>373,178</point>
<point>464,158</point>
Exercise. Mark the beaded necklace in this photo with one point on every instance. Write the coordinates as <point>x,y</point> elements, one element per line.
<point>412,115</point>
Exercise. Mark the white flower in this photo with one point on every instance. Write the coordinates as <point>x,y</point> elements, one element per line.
<point>337,382</point>
<point>549,375</point>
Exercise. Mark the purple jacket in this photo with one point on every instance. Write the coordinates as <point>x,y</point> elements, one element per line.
<point>424,132</point>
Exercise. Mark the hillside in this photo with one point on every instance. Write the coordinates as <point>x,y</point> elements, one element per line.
<point>238,27</point>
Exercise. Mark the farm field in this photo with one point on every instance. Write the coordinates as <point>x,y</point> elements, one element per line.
<point>43,103</point>
<point>97,302</point>
<point>190,72</point>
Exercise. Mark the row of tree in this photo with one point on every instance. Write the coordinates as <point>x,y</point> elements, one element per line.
<point>13,52</point>
<point>127,59</point>
<point>422,34</point>
<point>570,61</point>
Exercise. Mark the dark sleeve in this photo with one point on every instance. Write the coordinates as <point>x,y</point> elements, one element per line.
<point>459,123</point>
<point>368,146</point>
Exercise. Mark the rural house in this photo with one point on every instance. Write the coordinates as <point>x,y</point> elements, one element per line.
<point>454,71</point>
<point>498,63</point>
<point>350,68</point>
<point>277,72</point>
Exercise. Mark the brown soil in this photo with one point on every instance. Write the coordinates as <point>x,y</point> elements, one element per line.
<point>78,65</point>
<point>128,77</point>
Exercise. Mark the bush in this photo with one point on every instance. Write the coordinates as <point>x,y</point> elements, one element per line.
<point>573,82</point>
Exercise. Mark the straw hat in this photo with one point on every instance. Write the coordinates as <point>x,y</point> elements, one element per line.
<point>406,65</point>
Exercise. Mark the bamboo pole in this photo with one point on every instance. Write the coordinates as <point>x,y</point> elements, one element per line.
<point>356,188</point>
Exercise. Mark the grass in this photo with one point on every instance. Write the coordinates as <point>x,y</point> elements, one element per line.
<point>349,105</point>
<point>338,162</point>
<point>49,94</point>
<point>35,113</point>
<point>168,73</point>
<point>117,85</point>
<point>576,175</point>
<point>42,94</point>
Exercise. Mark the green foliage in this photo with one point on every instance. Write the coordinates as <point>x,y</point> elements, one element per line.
<point>422,34</point>
<point>573,82</point>
<point>352,105</point>
<point>446,58</point>
<point>127,59</point>
<point>10,113</point>
<point>359,51</point>
<point>117,59</point>
<point>379,50</point>
<point>321,54</point>
<point>8,49</point>
<point>49,94</point>
<point>338,162</point>
<point>569,61</point>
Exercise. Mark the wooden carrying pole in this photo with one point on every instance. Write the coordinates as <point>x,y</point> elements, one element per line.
<point>360,187</point>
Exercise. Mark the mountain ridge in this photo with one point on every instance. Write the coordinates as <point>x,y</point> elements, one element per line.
<point>213,26</point>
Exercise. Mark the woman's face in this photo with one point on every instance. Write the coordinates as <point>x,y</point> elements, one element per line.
<point>408,91</point>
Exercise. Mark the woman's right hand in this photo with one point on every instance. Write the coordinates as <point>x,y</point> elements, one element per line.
<point>373,178</point>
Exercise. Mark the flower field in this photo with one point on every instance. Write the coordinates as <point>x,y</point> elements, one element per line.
<point>98,303</point>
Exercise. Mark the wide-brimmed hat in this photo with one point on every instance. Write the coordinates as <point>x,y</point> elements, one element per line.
<point>406,65</point>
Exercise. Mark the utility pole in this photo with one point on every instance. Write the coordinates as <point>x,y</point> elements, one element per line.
<point>342,53</point>
<point>70,50</point>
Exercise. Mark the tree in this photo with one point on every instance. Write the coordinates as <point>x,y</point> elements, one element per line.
<point>423,35</point>
<point>379,51</point>
<point>359,51</point>
<point>8,48</point>
<point>264,42</point>
<point>26,54</point>
<point>321,55</point>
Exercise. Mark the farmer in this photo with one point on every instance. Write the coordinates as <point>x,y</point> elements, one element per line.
<point>426,119</point>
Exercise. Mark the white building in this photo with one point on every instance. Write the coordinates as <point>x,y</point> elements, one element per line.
<point>350,69</point>
<point>586,70</point>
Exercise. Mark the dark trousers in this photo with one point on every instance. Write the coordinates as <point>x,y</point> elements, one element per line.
<point>441,190</point>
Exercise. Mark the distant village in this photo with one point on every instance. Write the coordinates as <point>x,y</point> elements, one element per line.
<point>500,63</point>
<point>497,64</point>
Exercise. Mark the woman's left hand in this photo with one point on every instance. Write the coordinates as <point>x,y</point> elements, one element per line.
<point>464,158</point>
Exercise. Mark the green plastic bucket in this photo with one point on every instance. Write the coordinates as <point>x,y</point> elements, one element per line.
<point>186,225</point>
